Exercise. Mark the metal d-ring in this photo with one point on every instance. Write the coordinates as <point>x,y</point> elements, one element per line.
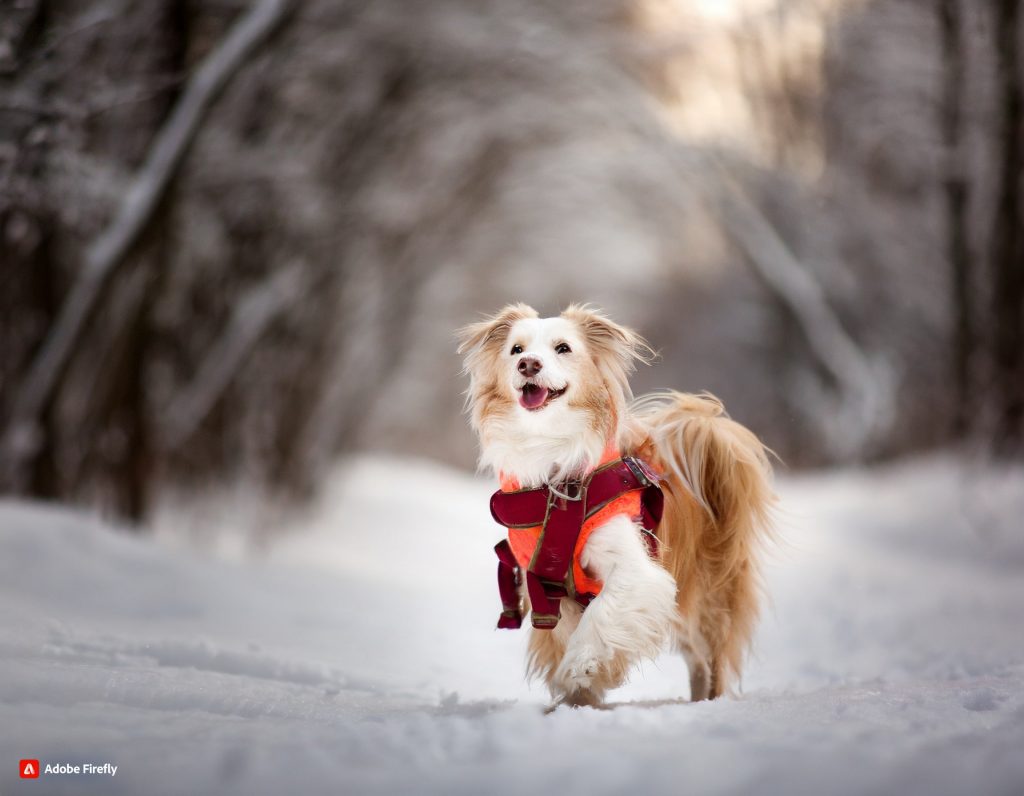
<point>554,492</point>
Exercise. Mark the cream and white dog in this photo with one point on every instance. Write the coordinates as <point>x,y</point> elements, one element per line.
<point>547,397</point>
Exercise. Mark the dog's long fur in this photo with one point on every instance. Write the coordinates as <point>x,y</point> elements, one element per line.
<point>703,595</point>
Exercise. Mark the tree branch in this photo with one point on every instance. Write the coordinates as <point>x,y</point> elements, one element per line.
<point>866,395</point>
<point>253,314</point>
<point>22,435</point>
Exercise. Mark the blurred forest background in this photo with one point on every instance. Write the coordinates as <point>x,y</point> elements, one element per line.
<point>235,238</point>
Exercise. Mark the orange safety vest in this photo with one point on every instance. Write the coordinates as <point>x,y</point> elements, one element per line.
<point>524,540</point>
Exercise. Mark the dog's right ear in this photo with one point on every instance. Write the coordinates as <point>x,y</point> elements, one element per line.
<point>483,336</point>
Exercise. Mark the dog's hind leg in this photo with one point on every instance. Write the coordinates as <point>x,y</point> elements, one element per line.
<point>695,653</point>
<point>700,677</point>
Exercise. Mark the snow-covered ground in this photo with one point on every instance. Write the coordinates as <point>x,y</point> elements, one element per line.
<point>354,653</point>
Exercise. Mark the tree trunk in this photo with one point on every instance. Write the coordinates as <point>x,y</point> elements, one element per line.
<point>29,272</point>
<point>957,198</point>
<point>1008,239</point>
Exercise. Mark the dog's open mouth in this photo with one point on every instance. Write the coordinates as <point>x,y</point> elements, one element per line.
<point>533,397</point>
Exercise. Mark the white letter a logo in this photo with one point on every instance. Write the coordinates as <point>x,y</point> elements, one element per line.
<point>29,770</point>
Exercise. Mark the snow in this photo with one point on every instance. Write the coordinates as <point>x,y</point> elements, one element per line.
<point>354,653</point>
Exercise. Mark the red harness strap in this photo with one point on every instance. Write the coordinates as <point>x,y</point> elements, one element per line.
<point>561,511</point>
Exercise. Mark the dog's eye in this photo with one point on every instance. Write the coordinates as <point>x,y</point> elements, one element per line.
<point>517,349</point>
<point>563,348</point>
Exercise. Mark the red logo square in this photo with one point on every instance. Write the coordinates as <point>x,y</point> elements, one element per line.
<point>28,769</point>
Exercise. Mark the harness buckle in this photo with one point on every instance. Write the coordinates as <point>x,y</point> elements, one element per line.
<point>637,470</point>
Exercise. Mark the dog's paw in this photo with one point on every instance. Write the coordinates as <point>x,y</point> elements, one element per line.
<point>577,699</point>
<point>577,671</point>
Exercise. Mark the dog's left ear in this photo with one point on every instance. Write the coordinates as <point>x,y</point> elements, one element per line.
<point>609,341</point>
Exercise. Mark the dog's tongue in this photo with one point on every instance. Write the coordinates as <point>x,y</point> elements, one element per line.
<point>533,396</point>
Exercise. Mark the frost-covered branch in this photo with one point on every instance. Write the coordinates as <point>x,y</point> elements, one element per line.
<point>22,436</point>
<point>866,393</point>
<point>252,315</point>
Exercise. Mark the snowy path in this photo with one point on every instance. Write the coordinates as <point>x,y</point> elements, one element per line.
<point>359,658</point>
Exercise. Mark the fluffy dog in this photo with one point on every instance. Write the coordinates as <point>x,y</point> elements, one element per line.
<point>548,397</point>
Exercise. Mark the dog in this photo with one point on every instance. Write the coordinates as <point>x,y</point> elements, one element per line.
<point>548,399</point>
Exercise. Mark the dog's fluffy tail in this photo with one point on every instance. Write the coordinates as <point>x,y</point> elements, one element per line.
<point>718,506</point>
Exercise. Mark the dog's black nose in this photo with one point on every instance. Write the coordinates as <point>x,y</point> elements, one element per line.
<point>529,366</point>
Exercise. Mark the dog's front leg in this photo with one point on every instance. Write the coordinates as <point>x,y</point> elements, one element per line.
<point>629,620</point>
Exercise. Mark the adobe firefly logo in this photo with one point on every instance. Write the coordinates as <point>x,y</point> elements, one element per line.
<point>28,769</point>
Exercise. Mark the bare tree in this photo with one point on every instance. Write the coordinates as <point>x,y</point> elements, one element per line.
<point>254,312</point>
<point>951,25</point>
<point>1008,236</point>
<point>22,435</point>
<point>865,409</point>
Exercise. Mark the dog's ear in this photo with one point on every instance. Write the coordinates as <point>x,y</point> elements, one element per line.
<point>608,341</point>
<point>483,336</point>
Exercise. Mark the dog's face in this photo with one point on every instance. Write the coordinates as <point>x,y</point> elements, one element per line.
<point>543,359</point>
<point>546,394</point>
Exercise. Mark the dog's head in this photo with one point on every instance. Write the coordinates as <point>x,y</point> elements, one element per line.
<point>546,395</point>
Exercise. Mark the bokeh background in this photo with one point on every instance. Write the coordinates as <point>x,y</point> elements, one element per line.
<point>242,548</point>
<point>236,238</point>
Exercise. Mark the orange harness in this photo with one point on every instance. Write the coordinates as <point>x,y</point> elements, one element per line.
<point>548,529</point>
<point>524,540</point>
